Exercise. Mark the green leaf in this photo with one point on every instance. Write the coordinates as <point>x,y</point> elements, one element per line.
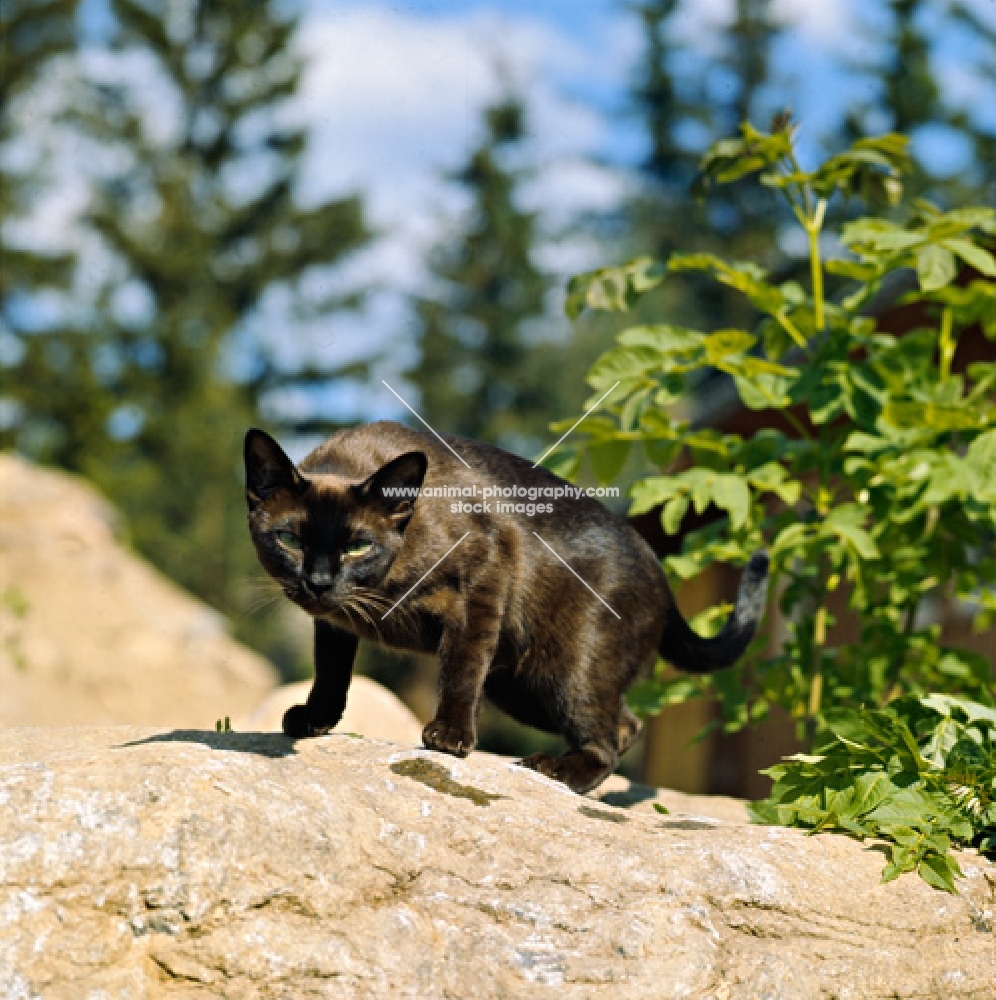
<point>853,269</point>
<point>940,871</point>
<point>866,444</point>
<point>859,540</point>
<point>935,267</point>
<point>763,392</point>
<point>731,159</point>
<point>772,478</point>
<point>723,343</point>
<point>620,363</point>
<point>939,417</point>
<point>674,513</point>
<point>648,493</point>
<point>701,482</point>
<point>979,258</point>
<point>980,463</point>
<point>790,538</point>
<point>629,415</point>
<point>662,337</point>
<point>564,464</point>
<point>612,289</point>
<point>607,458</point>
<point>684,567</point>
<point>878,236</point>
<point>730,493</point>
<point>661,451</point>
<point>744,276</point>
<point>651,696</point>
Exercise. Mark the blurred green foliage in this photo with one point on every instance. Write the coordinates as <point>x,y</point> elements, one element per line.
<point>478,374</point>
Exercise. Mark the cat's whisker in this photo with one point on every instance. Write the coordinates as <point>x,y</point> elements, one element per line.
<point>261,601</point>
<point>367,617</point>
<point>373,599</point>
<point>345,608</point>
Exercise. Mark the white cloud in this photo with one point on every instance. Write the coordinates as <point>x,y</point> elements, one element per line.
<point>569,184</point>
<point>393,100</point>
<point>825,24</point>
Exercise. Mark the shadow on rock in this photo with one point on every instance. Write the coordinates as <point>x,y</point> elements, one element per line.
<point>625,798</point>
<point>261,744</point>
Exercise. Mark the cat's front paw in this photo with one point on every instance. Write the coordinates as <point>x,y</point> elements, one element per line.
<point>298,723</point>
<point>443,736</point>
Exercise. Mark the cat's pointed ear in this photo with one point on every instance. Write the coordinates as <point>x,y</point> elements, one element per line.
<point>268,469</point>
<point>394,487</point>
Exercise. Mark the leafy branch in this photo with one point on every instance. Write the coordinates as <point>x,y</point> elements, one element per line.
<point>920,774</point>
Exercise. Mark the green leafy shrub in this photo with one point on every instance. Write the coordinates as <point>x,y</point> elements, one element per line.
<point>876,472</point>
<point>920,773</point>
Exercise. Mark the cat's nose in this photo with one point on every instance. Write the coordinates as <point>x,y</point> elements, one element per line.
<point>320,586</point>
<point>320,576</point>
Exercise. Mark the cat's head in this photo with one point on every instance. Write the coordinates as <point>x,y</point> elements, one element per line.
<point>325,539</point>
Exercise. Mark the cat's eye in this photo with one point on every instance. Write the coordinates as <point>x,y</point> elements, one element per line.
<point>289,540</point>
<point>358,548</point>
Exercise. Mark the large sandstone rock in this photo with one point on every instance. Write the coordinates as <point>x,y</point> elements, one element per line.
<point>89,633</point>
<point>141,864</point>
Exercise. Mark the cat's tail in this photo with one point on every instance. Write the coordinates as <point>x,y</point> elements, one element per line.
<point>692,653</point>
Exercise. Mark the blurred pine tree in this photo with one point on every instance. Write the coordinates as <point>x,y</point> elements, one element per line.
<point>983,139</point>
<point>910,99</point>
<point>684,105</point>
<point>32,35</point>
<point>201,220</point>
<point>482,371</point>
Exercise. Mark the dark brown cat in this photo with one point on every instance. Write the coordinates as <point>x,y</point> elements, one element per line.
<point>553,645</point>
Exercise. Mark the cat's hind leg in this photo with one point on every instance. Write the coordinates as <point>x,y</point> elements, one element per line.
<point>581,769</point>
<point>628,729</point>
<point>592,732</point>
<point>592,716</point>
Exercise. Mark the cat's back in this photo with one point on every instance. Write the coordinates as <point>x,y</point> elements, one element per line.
<point>357,452</point>
<point>521,495</point>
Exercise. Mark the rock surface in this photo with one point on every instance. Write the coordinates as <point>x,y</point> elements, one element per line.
<point>89,633</point>
<point>371,710</point>
<point>142,864</point>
